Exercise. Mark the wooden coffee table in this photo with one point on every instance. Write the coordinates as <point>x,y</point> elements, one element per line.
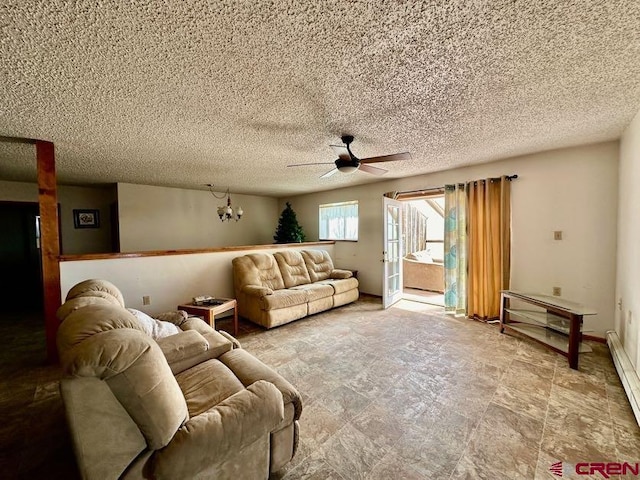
<point>210,311</point>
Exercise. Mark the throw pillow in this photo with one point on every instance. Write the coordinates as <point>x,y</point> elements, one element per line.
<point>420,256</point>
<point>424,257</point>
<point>152,327</point>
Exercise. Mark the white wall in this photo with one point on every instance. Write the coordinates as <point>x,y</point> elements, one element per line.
<point>74,241</point>
<point>628,261</point>
<point>161,218</point>
<point>169,280</point>
<point>573,190</point>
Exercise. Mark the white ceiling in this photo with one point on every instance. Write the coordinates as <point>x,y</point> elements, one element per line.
<point>184,93</point>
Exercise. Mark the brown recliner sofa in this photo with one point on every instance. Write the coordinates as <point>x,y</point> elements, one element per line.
<point>274,289</point>
<point>190,405</point>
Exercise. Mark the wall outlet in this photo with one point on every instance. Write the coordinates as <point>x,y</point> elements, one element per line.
<point>557,235</point>
<point>557,291</point>
<point>146,300</point>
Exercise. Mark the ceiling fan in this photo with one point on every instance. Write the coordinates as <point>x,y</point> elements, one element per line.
<point>347,162</point>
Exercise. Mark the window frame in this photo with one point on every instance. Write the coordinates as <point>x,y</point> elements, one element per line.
<point>343,218</point>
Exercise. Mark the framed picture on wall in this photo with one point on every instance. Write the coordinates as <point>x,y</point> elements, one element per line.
<point>86,218</point>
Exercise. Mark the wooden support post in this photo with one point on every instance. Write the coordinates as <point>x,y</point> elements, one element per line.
<point>575,337</point>
<point>504,304</point>
<point>49,241</point>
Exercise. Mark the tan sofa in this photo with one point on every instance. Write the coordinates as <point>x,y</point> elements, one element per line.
<point>190,405</point>
<point>274,289</point>
<point>420,271</point>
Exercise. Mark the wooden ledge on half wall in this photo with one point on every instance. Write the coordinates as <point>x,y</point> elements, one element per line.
<point>163,253</point>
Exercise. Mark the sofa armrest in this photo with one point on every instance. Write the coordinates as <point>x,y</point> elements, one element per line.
<point>256,291</point>
<point>249,369</point>
<point>182,346</point>
<point>197,324</point>
<point>217,434</point>
<point>177,317</point>
<point>337,273</point>
<point>234,341</point>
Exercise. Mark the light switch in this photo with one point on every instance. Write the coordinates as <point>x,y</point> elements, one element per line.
<point>557,235</point>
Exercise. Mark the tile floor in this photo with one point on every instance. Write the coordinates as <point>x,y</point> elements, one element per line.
<point>423,296</point>
<point>406,393</point>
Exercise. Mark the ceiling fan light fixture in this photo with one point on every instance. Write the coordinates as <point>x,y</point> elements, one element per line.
<point>348,163</point>
<point>347,166</point>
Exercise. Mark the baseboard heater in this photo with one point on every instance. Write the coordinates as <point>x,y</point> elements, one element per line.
<point>626,372</point>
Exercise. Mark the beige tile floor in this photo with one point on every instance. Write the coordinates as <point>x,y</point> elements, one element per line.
<point>406,393</point>
<point>423,296</point>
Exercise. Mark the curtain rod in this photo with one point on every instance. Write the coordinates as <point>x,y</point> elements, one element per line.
<point>423,190</point>
<point>508,177</point>
<point>404,192</point>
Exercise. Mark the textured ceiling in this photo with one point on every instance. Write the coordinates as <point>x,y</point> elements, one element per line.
<point>184,93</point>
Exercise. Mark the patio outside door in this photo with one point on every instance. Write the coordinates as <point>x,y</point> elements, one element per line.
<point>392,252</point>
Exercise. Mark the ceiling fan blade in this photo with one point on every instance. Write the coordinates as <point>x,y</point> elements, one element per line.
<point>341,151</point>
<point>305,164</point>
<point>329,173</point>
<point>387,158</point>
<point>374,170</point>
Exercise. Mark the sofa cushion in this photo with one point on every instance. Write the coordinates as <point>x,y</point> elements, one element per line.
<point>259,269</point>
<point>91,320</point>
<point>293,268</point>
<point>220,443</point>
<point>319,264</point>
<point>97,288</point>
<point>184,345</point>
<point>315,291</point>
<point>206,385</point>
<point>105,354</point>
<point>283,299</point>
<point>341,285</point>
<point>150,394</point>
<point>70,306</point>
<point>183,353</point>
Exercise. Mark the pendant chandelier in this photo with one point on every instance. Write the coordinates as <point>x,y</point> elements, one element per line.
<point>226,212</point>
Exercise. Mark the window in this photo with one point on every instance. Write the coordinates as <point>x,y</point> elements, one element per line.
<point>339,221</point>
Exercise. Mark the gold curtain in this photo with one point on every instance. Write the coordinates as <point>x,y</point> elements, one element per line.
<point>489,246</point>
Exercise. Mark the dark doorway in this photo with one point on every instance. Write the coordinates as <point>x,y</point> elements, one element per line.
<point>20,264</point>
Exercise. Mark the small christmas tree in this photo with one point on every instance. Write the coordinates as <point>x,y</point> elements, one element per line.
<point>289,230</point>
